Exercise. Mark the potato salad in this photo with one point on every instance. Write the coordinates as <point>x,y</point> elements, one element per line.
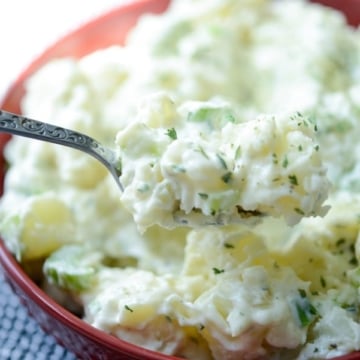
<point>237,124</point>
<point>200,164</point>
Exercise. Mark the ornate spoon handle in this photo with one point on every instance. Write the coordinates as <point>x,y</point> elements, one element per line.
<point>22,126</point>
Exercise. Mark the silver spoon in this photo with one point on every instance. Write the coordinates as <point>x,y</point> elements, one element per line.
<point>20,125</point>
<point>23,126</point>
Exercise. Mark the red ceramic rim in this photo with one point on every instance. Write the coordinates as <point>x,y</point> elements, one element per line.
<point>27,290</point>
<point>16,276</point>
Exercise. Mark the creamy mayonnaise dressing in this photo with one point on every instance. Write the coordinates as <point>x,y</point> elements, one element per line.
<point>198,163</point>
<point>220,110</point>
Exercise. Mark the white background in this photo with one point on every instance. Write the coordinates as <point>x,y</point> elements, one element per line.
<point>22,38</point>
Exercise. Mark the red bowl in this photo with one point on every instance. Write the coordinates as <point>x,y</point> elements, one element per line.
<point>108,29</point>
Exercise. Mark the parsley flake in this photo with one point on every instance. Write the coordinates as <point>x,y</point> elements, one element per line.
<point>226,178</point>
<point>204,196</point>
<point>128,308</point>
<point>238,152</point>
<point>222,161</point>
<point>143,188</point>
<point>229,246</point>
<point>218,271</point>
<point>178,168</point>
<point>285,162</point>
<point>171,133</point>
<point>293,180</point>
<point>304,310</point>
<point>201,150</point>
<point>353,261</point>
<point>340,242</point>
<point>275,159</point>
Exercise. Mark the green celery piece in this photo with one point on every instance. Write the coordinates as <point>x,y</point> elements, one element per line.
<point>72,267</point>
<point>216,118</point>
<point>303,310</point>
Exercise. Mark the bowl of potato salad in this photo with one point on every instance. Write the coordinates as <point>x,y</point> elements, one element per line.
<point>236,233</point>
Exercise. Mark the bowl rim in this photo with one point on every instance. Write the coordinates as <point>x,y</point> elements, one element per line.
<point>13,270</point>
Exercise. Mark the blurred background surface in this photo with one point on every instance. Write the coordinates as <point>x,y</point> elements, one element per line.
<point>27,27</point>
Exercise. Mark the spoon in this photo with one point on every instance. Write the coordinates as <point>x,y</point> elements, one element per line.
<point>23,126</point>
<point>20,125</point>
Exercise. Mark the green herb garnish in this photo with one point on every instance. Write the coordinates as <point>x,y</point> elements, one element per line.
<point>128,308</point>
<point>226,178</point>
<point>218,271</point>
<point>340,242</point>
<point>275,159</point>
<point>238,152</point>
<point>353,261</point>
<point>229,246</point>
<point>293,180</point>
<point>305,311</point>
<point>204,196</point>
<point>171,133</point>
<point>202,152</point>
<point>222,161</point>
<point>143,188</point>
<point>178,168</point>
<point>285,162</point>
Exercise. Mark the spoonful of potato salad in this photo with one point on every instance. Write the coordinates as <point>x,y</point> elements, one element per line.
<point>198,164</point>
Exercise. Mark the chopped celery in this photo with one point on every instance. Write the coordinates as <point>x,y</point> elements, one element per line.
<point>303,310</point>
<point>73,267</point>
<point>215,117</point>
